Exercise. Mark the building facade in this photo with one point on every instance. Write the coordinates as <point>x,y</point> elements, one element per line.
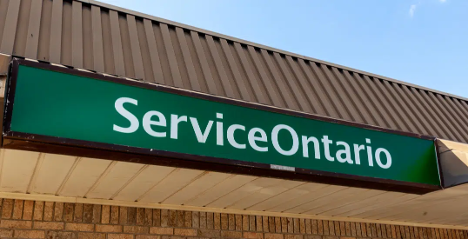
<point>123,125</point>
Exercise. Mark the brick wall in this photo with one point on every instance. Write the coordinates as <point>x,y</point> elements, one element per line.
<point>35,219</point>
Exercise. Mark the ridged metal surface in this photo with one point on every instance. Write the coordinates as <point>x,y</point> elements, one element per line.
<point>93,37</point>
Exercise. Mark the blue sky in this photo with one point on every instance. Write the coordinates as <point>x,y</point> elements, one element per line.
<point>424,42</point>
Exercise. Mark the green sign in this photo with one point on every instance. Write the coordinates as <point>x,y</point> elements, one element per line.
<point>70,106</point>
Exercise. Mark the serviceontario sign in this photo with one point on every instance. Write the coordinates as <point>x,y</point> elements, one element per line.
<point>65,104</point>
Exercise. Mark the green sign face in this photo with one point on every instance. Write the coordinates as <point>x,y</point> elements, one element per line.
<point>68,106</point>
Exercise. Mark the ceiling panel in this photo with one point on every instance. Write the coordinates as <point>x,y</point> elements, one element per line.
<point>230,184</point>
<point>171,184</point>
<point>50,173</point>
<point>147,178</point>
<point>200,185</point>
<point>287,196</point>
<point>265,194</point>
<point>314,195</point>
<point>244,191</point>
<point>17,170</point>
<point>349,196</point>
<point>114,180</point>
<point>84,176</point>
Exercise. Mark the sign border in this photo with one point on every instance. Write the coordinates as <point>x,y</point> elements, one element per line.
<point>58,145</point>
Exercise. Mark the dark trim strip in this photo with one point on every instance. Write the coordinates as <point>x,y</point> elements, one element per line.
<point>24,141</point>
<point>439,165</point>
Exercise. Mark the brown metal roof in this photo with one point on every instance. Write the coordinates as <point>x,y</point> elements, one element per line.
<point>91,35</point>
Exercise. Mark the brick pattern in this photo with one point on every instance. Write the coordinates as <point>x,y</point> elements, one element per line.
<point>35,219</point>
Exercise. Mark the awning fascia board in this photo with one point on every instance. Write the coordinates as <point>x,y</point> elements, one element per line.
<point>453,161</point>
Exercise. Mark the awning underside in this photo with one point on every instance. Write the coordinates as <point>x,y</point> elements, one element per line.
<point>58,177</point>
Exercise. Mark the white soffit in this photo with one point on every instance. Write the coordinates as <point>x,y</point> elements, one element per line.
<point>40,176</point>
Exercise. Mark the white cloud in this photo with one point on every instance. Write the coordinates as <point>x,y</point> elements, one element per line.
<point>442,1</point>
<point>412,9</point>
